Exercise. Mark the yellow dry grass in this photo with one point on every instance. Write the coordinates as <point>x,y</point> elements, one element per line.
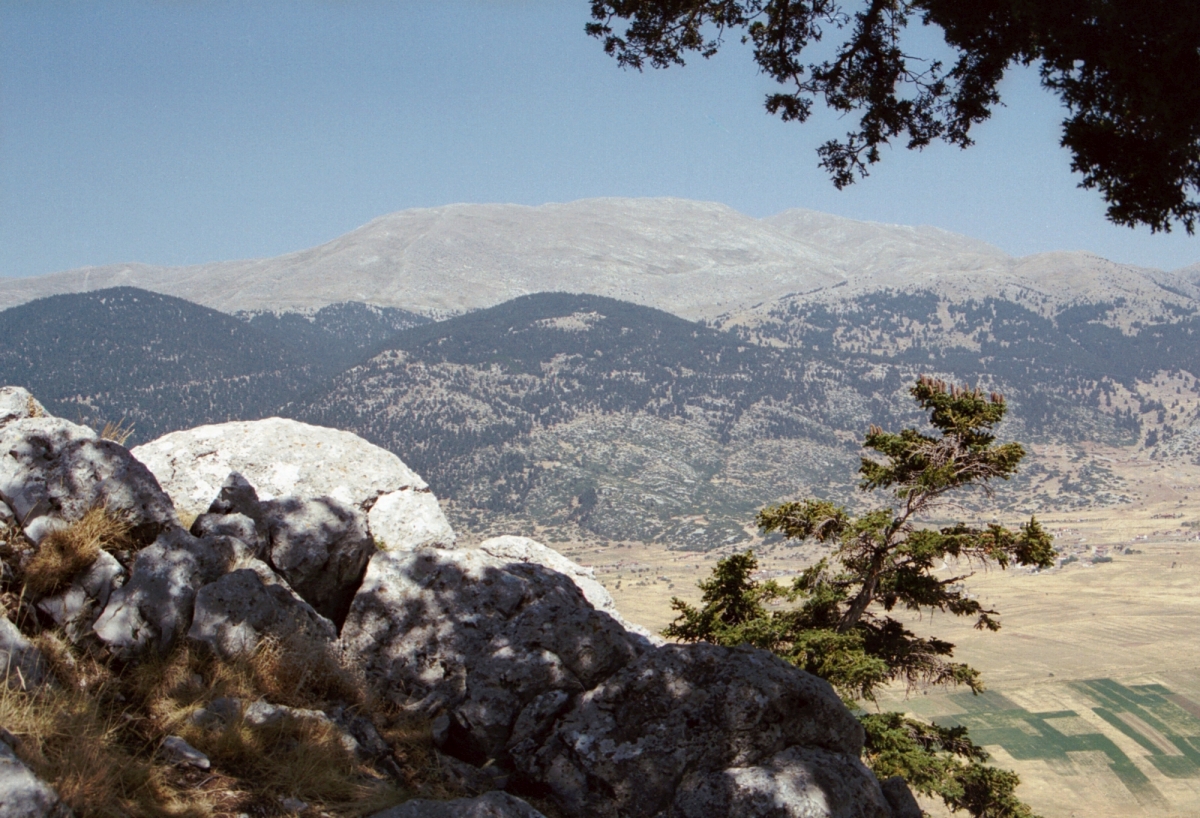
<point>84,746</point>
<point>67,551</point>
<point>94,736</point>
<point>117,432</point>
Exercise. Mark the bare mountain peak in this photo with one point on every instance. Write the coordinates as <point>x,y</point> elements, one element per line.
<point>694,259</point>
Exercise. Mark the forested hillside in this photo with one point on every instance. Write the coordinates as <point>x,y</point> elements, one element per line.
<point>596,418</point>
<point>336,337</point>
<point>151,361</point>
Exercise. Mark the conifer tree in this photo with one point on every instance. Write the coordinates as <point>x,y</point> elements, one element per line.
<point>836,620</point>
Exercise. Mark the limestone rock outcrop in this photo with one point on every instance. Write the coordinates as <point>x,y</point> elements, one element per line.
<point>691,717</point>
<point>321,547</point>
<point>23,794</point>
<point>530,677</point>
<point>234,613</point>
<point>279,457</point>
<point>522,673</point>
<point>155,606</point>
<point>17,404</point>
<point>523,549</point>
<point>53,471</point>
<point>490,805</point>
<point>410,518</point>
<point>479,641</point>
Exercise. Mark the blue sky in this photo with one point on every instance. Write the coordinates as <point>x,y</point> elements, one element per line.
<point>180,131</point>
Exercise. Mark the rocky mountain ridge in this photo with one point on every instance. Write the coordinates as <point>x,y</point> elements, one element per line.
<point>698,260</point>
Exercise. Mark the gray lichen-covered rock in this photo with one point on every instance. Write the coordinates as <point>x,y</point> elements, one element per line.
<point>237,496</point>
<point>17,403</point>
<point>279,457</point>
<point>154,607</point>
<point>523,549</point>
<point>900,798</point>
<point>680,712</point>
<point>236,502</point>
<point>23,794</point>
<point>238,526</point>
<point>23,665</point>
<point>801,782</point>
<point>489,805</point>
<point>524,677</point>
<point>76,608</point>
<point>53,471</point>
<point>479,640</point>
<point>321,547</point>
<point>233,614</point>
<point>410,518</point>
<point>178,752</point>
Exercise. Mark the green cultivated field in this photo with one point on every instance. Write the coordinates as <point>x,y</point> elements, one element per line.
<point>1162,723</point>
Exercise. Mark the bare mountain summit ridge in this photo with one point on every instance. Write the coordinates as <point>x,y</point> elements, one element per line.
<point>694,259</point>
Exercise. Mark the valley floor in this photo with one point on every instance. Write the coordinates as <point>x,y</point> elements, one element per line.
<point>1094,680</point>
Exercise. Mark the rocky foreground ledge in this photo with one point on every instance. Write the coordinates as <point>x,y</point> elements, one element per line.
<point>533,685</point>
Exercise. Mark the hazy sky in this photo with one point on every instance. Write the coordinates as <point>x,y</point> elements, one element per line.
<point>175,132</point>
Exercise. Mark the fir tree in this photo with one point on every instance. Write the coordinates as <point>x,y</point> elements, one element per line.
<point>836,619</point>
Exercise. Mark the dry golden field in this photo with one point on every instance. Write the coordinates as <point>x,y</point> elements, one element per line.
<point>1094,680</point>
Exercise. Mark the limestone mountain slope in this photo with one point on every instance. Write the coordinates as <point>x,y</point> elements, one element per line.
<point>693,259</point>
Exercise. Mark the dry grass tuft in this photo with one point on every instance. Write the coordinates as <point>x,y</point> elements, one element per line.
<point>116,432</point>
<point>411,737</point>
<point>292,757</point>
<point>91,756</point>
<point>186,518</point>
<point>95,735</point>
<point>67,551</point>
<point>299,758</point>
<point>301,672</point>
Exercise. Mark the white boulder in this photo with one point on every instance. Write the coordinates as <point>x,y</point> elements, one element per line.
<point>53,471</point>
<point>409,518</point>
<point>279,458</point>
<point>17,404</point>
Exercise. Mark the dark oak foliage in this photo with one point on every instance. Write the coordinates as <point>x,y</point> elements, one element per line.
<point>835,620</point>
<point>1124,69</point>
